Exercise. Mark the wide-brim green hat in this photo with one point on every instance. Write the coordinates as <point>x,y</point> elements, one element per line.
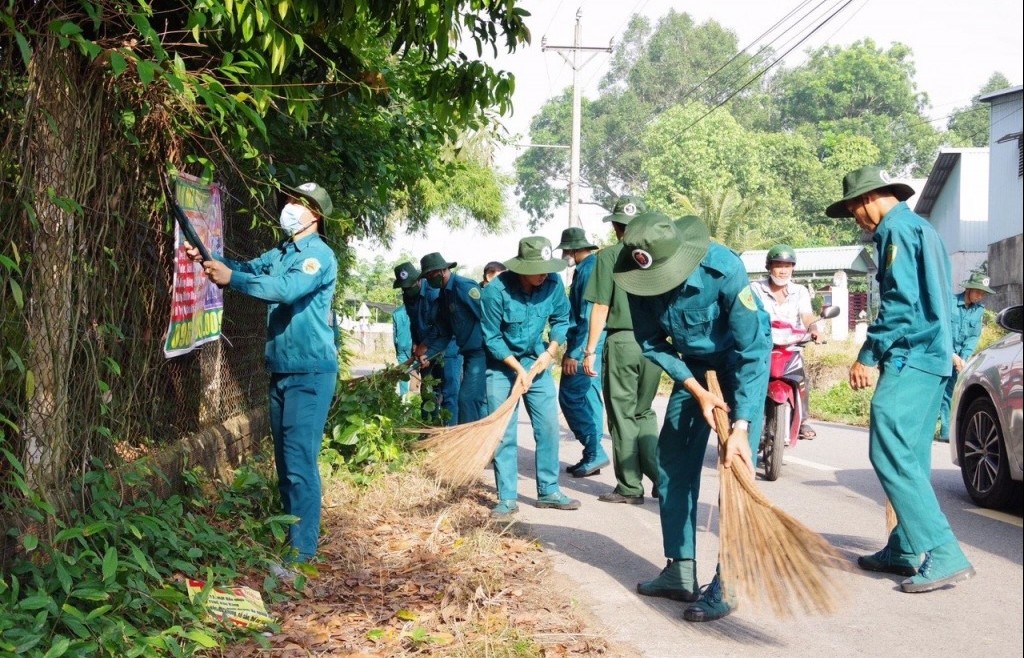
<point>575,237</point>
<point>658,254</point>
<point>435,261</point>
<point>320,200</point>
<point>860,182</point>
<point>626,208</point>
<point>978,281</point>
<point>535,257</point>
<point>406,276</point>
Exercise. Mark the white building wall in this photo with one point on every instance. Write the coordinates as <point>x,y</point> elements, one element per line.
<point>973,172</point>
<point>1006,190</point>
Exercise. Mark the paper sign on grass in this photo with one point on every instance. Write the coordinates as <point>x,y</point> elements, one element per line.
<point>241,606</point>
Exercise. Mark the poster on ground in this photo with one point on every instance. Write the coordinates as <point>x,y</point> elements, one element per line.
<point>197,305</point>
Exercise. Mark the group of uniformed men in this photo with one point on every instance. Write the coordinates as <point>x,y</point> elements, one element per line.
<point>666,298</point>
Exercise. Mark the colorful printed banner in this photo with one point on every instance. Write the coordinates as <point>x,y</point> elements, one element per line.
<point>197,305</point>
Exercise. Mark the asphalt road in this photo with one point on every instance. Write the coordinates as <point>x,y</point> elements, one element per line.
<point>829,485</point>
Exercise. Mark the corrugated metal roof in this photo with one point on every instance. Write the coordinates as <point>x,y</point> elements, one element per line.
<point>816,259</point>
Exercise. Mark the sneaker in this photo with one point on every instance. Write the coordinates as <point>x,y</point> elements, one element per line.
<point>677,581</point>
<point>504,510</point>
<point>616,497</point>
<point>886,561</point>
<point>942,566</point>
<point>571,469</point>
<point>711,605</point>
<point>557,500</point>
<point>592,467</point>
<point>282,573</point>
<point>655,494</point>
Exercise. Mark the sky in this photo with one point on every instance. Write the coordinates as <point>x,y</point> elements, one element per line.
<point>956,48</point>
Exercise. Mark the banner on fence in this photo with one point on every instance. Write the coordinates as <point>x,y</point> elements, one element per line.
<point>197,305</point>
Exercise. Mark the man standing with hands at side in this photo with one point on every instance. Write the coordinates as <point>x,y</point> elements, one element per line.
<point>910,344</point>
<point>296,280</point>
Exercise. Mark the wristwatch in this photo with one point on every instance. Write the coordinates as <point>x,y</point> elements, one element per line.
<point>586,354</point>
<point>743,425</point>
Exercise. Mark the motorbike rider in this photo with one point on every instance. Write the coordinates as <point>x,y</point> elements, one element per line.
<point>789,306</point>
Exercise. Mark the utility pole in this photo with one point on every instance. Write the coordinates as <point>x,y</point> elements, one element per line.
<point>574,159</point>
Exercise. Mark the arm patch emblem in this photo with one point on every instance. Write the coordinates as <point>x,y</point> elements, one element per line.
<point>474,293</point>
<point>746,298</point>
<point>310,266</point>
<point>890,255</point>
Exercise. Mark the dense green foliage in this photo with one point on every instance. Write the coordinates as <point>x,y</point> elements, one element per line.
<point>110,583</point>
<point>677,121</point>
<point>969,126</point>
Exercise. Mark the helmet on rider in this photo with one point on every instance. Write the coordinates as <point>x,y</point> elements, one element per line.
<point>781,253</point>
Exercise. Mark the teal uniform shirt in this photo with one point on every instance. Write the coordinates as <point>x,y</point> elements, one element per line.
<point>447,371</point>
<point>965,325</point>
<point>911,342</point>
<point>913,323</point>
<point>458,320</point>
<point>711,321</point>
<point>513,324</point>
<point>402,333</point>
<point>296,280</point>
<point>458,315</point>
<point>513,320</point>
<point>579,310</point>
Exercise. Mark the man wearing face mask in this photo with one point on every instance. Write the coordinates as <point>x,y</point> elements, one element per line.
<point>789,306</point>
<point>407,279</point>
<point>296,280</point>
<point>442,362</point>
<point>458,318</point>
<point>579,395</point>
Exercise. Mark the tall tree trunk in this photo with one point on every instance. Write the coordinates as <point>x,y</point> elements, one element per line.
<point>60,155</point>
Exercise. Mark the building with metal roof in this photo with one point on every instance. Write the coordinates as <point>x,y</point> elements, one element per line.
<point>818,263</point>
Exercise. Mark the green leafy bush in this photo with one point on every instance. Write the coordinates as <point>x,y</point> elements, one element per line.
<point>111,581</point>
<point>842,404</point>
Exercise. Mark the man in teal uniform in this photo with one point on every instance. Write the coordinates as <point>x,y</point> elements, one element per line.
<point>458,319</point>
<point>910,343</point>
<point>580,395</point>
<point>296,280</point>
<point>967,313</point>
<point>693,311</point>
<point>406,276</point>
<point>628,380</point>
<point>444,368</point>
<point>517,305</point>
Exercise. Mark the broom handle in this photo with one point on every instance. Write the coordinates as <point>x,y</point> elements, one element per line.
<point>721,417</point>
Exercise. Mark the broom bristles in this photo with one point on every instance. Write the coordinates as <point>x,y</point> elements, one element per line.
<point>458,454</point>
<point>890,518</point>
<point>767,555</point>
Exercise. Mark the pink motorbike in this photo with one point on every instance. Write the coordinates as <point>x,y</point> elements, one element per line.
<point>783,407</point>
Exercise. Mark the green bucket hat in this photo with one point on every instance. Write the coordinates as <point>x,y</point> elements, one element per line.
<point>320,199</point>
<point>575,237</point>
<point>658,253</point>
<point>535,257</point>
<point>626,208</point>
<point>978,281</point>
<point>860,182</point>
<point>433,262</point>
<point>406,276</point>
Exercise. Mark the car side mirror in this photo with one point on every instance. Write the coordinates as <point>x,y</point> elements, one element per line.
<point>830,312</point>
<point>1011,318</point>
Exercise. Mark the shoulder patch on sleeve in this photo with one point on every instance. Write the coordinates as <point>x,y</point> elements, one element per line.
<point>890,254</point>
<point>474,293</point>
<point>746,298</point>
<point>310,266</point>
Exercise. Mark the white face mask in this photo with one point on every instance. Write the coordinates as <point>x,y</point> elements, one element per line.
<point>778,281</point>
<point>569,259</point>
<point>292,218</point>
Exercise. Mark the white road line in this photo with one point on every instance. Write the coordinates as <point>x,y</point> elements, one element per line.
<point>787,459</point>
<point>997,516</point>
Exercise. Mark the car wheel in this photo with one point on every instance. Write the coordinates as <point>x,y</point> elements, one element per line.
<point>983,462</point>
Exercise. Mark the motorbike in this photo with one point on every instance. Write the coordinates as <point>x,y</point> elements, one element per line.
<point>783,407</point>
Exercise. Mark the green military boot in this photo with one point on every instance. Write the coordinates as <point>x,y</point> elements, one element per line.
<point>943,565</point>
<point>889,561</point>
<point>714,603</point>
<point>677,581</point>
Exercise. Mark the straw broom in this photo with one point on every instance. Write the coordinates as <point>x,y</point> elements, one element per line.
<point>766,554</point>
<point>457,454</point>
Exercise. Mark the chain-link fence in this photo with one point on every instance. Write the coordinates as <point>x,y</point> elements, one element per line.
<point>86,261</point>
